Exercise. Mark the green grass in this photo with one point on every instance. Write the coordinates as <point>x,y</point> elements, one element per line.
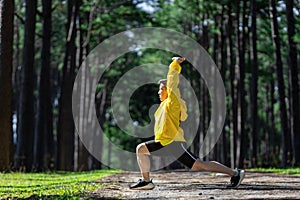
<point>54,185</point>
<point>295,171</point>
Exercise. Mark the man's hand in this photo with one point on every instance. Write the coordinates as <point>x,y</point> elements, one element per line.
<point>179,59</point>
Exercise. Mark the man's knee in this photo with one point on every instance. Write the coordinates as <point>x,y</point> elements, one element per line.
<point>142,149</point>
<point>198,165</point>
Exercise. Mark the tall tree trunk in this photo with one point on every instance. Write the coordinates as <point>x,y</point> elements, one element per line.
<point>253,93</point>
<point>17,59</point>
<point>85,98</point>
<point>281,87</point>
<point>216,56</point>
<point>24,151</point>
<point>204,116</point>
<point>294,83</point>
<point>272,117</point>
<point>49,137</point>
<point>223,61</point>
<point>233,93</point>
<point>101,105</point>
<point>267,155</point>
<point>6,54</point>
<point>242,91</point>
<point>66,135</point>
<point>43,146</point>
<point>196,142</point>
<point>237,72</point>
<point>270,132</point>
<point>241,85</point>
<point>16,64</point>
<point>196,84</point>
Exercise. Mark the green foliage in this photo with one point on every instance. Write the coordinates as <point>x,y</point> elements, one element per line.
<point>58,185</point>
<point>110,17</point>
<point>295,171</point>
<point>189,17</point>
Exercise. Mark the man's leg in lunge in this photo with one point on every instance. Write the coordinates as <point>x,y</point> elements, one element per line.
<point>142,154</point>
<point>213,166</point>
<point>237,175</point>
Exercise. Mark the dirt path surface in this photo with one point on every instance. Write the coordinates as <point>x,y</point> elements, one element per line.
<point>195,185</point>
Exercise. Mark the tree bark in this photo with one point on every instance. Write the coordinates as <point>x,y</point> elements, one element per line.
<point>233,93</point>
<point>43,146</point>
<point>223,61</point>
<point>267,153</point>
<point>272,117</point>
<point>101,105</point>
<point>214,155</point>
<point>281,86</point>
<point>253,88</point>
<point>66,127</point>
<point>242,91</point>
<point>294,83</point>
<point>24,151</point>
<point>16,64</point>
<point>270,132</point>
<point>204,102</point>
<point>85,96</point>
<point>240,70</point>
<point>6,54</point>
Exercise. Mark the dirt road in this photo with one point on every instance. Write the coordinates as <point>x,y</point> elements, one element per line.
<point>195,185</point>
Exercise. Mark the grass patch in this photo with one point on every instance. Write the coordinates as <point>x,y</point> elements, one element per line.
<point>295,171</point>
<point>57,185</point>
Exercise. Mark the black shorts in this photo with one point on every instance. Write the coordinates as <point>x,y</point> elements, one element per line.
<point>175,149</point>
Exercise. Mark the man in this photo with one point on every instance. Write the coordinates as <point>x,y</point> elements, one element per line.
<point>169,136</point>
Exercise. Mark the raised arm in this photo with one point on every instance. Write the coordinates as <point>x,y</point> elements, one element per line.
<point>173,80</point>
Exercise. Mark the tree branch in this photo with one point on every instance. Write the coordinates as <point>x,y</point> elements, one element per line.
<point>20,18</point>
<point>90,26</point>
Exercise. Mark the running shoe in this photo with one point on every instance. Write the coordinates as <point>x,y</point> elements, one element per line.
<point>142,185</point>
<point>236,180</point>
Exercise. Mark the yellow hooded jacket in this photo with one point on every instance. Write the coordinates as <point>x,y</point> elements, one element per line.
<point>171,111</point>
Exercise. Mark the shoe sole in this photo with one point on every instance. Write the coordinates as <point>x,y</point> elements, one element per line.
<point>146,187</point>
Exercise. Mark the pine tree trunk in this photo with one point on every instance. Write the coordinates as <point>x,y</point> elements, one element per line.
<point>196,142</point>
<point>267,155</point>
<point>253,93</point>
<point>101,107</point>
<point>294,83</point>
<point>43,146</point>
<point>240,67</point>
<point>223,146</point>
<point>216,52</point>
<point>204,116</point>
<point>16,64</point>
<point>281,86</point>
<point>233,93</point>
<point>84,105</point>
<point>24,151</point>
<point>66,127</point>
<point>272,118</point>
<point>6,54</point>
<point>86,96</point>
<point>196,85</point>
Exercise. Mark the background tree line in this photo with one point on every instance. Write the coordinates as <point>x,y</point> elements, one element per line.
<point>254,43</point>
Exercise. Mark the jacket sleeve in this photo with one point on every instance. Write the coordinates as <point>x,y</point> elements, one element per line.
<point>172,83</point>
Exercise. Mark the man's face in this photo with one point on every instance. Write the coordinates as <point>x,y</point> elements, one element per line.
<point>162,93</point>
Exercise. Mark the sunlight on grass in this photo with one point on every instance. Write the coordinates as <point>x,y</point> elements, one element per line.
<point>59,185</point>
<point>295,171</point>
